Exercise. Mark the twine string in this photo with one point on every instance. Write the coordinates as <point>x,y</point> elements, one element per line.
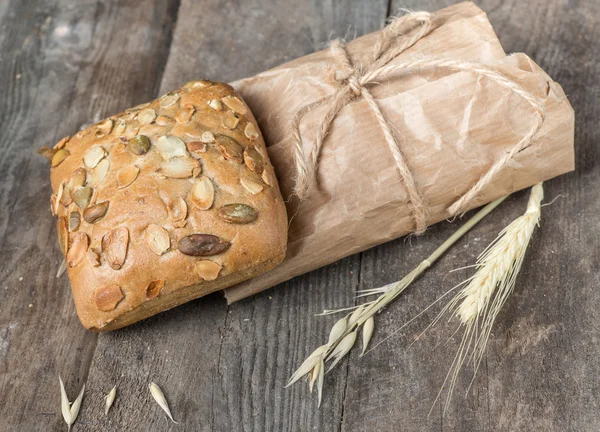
<point>354,82</point>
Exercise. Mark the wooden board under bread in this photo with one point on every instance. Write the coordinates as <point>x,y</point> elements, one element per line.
<point>223,368</point>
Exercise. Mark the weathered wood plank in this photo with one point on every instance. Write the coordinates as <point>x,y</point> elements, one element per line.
<point>225,368</point>
<point>226,41</point>
<point>541,355</point>
<point>63,64</point>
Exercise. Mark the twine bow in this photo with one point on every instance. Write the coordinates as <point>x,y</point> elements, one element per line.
<point>354,82</point>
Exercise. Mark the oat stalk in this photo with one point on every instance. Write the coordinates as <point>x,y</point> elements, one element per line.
<point>343,334</point>
<point>482,296</point>
<point>69,411</point>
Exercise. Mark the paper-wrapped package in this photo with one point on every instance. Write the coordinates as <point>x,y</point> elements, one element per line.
<point>452,125</point>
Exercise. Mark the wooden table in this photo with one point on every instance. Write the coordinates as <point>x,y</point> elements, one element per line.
<point>65,63</point>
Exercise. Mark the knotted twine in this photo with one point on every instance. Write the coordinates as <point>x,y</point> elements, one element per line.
<point>354,82</point>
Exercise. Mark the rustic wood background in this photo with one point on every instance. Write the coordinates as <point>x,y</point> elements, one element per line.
<point>65,63</point>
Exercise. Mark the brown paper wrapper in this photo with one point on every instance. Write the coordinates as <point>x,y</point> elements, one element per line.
<point>451,127</point>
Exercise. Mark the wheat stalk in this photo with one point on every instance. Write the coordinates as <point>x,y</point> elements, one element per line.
<point>344,333</point>
<point>482,296</point>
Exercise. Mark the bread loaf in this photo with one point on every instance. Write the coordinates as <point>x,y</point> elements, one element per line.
<point>164,203</point>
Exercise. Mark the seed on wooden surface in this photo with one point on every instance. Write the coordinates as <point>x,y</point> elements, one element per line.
<point>171,146</point>
<point>82,196</point>
<point>154,288</point>
<point>169,100</point>
<point>230,120</point>
<point>157,239</point>
<point>253,160</point>
<point>78,249</point>
<point>99,173</point>
<point>185,114</point>
<point>61,268</point>
<point>234,104</point>
<point>93,156</point>
<point>139,145</point>
<point>69,411</point>
<point>96,212</point>
<point>202,245</point>
<point>114,247</point>
<point>250,185</point>
<point>179,167</point>
<point>59,157</point>
<point>160,399</point>
<point>108,297</point>
<point>146,116</point>
<point>74,221</point>
<point>127,175</point>
<point>110,398</point>
<point>237,213</point>
<point>207,270</point>
<point>230,148</point>
<point>203,193</point>
<point>250,131</point>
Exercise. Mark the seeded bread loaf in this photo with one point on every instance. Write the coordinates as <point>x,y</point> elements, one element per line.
<point>164,203</point>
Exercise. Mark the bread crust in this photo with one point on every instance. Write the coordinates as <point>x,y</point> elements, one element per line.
<point>123,211</point>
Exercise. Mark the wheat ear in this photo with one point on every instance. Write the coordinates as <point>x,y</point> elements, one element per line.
<point>482,296</point>
<point>343,334</point>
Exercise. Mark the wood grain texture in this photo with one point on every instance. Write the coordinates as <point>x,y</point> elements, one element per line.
<point>229,40</point>
<point>223,368</point>
<point>62,66</point>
